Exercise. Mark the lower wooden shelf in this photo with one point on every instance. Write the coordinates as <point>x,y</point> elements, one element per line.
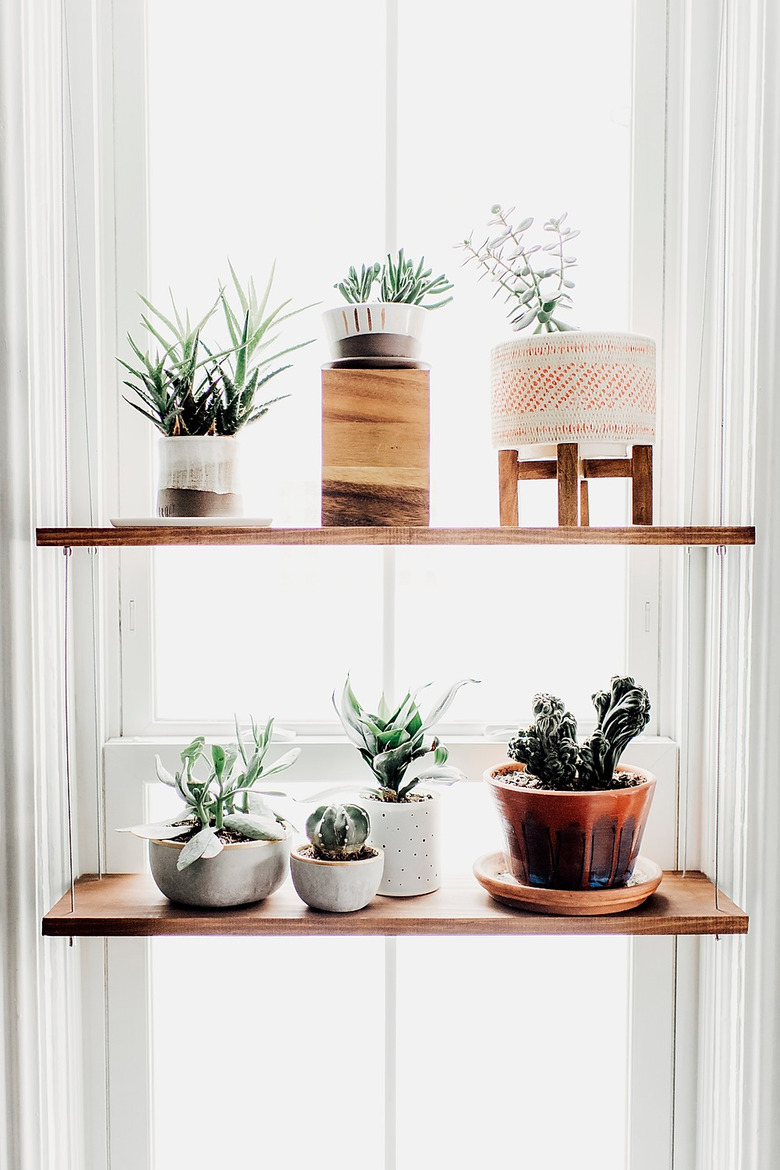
<point>131,905</point>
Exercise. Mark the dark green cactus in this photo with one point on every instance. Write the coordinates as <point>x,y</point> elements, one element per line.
<point>338,831</point>
<point>548,748</point>
<point>623,712</point>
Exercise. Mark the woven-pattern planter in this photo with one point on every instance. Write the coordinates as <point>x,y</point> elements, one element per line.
<point>573,387</point>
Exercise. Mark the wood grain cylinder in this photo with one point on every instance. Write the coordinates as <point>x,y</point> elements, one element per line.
<point>375,447</point>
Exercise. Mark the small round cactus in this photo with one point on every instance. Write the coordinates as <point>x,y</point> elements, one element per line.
<point>338,831</point>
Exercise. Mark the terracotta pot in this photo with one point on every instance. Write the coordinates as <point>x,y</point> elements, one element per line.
<point>336,886</point>
<point>244,872</point>
<point>571,840</point>
<point>573,387</point>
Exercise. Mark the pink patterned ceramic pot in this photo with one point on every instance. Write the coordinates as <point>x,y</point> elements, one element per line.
<point>573,387</point>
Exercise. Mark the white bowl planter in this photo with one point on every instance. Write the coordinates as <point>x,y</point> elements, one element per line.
<point>336,886</point>
<point>408,833</point>
<point>573,387</point>
<point>375,329</point>
<point>199,475</point>
<point>244,872</point>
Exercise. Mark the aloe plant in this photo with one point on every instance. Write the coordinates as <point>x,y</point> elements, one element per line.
<point>391,740</point>
<point>399,280</point>
<point>191,388</point>
<point>338,831</point>
<point>549,749</point>
<point>536,293</point>
<point>225,798</point>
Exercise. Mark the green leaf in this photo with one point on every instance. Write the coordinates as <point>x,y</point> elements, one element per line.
<point>254,827</point>
<point>204,844</point>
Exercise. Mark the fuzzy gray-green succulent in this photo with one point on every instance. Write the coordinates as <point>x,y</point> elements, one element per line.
<point>338,831</point>
<point>389,741</point>
<point>549,749</point>
<point>226,798</point>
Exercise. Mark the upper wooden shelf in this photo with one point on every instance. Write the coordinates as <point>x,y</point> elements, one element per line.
<point>131,905</point>
<point>206,534</point>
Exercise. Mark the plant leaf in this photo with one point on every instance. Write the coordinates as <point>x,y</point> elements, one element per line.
<point>204,844</point>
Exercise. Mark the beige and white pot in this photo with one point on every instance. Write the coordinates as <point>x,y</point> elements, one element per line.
<point>199,475</point>
<point>378,329</point>
<point>244,872</point>
<point>336,886</point>
<point>408,833</point>
<point>573,387</point>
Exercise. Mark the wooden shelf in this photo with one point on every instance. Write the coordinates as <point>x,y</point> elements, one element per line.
<point>131,905</point>
<point>204,534</point>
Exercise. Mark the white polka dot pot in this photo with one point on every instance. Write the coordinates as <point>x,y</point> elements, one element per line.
<point>408,833</point>
<point>573,387</point>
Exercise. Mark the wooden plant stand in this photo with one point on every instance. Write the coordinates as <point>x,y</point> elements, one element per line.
<point>572,474</point>
<point>375,447</point>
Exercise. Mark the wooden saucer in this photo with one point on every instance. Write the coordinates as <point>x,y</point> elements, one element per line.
<point>492,872</point>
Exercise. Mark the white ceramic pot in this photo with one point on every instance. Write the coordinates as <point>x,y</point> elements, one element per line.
<point>375,329</point>
<point>336,886</point>
<point>573,387</point>
<point>199,475</point>
<point>247,871</point>
<point>408,833</point>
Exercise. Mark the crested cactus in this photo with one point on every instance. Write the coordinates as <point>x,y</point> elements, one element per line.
<point>555,761</point>
<point>548,748</point>
<point>623,712</point>
<point>338,832</point>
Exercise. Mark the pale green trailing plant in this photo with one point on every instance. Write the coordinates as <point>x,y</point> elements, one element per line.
<point>338,832</point>
<point>554,760</point>
<point>400,280</point>
<point>225,798</point>
<point>188,387</point>
<point>535,292</point>
<point>391,740</point>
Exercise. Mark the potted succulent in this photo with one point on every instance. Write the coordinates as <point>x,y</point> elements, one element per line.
<point>200,398</point>
<point>226,847</point>
<point>384,328</point>
<point>404,808</point>
<point>559,385</point>
<point>572,815</point>
<point>337,870</point>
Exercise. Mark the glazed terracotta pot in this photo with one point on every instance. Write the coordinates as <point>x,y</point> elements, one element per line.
<point>571,840</point>
<point>377,329</point>
<point>336,886</point>
<point>244,872</point>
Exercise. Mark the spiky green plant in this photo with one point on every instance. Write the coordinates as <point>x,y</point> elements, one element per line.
<point>399,279</point>
<point>623,712</point>
<point>338,831</point>
<point>225,798</point>
<point>192,388</point>
<point>390,740</point>
<point>535,294</point>
<point>548,748</point>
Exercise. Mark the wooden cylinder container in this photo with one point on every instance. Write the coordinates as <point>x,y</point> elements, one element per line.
<point>375,447</point>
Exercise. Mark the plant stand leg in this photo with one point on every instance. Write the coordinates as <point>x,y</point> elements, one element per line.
<point>508,508</point>
<point>568,484</point>
<point>584,503</point>
<point>642,485</point>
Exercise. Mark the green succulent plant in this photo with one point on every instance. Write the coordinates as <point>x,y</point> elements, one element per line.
<point>535,293</point>
<point>189,388</point>
<point>225,798</point>
<point>338,831</point>
<point>400,280</point>
<point>390,740</point>
<point>549,749</point>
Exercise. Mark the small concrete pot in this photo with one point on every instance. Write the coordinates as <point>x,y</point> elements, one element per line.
<point>336,886</point>
<point>245,872</point>
<point>408,833</point>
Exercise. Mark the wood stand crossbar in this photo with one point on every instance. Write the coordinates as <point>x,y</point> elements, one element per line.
<point>572,474</point>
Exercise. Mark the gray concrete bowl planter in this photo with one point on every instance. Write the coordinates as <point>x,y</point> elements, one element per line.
<point>338,887</point>
<point>244,872</point>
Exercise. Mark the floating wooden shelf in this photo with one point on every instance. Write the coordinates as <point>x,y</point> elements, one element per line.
<point>223,535</point>
<point>131,905</point>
